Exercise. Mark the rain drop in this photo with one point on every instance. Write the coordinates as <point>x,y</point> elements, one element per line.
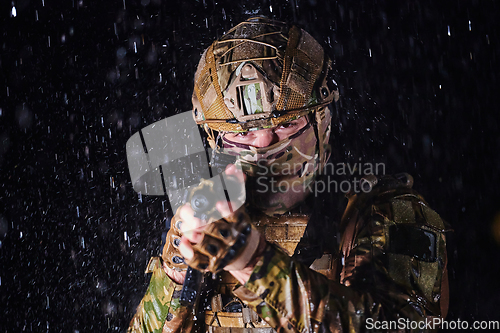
<point>121,52</point>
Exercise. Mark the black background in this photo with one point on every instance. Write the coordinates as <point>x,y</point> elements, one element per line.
<point>418,83</point>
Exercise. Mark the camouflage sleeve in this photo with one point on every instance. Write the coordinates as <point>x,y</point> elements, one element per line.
<point>159,310</point>
<point>293,298</point>
<point>394,267</point>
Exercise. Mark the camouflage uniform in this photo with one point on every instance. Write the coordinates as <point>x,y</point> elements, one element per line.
<point>391,264</point>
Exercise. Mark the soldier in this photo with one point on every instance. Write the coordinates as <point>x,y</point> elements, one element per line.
<point>265,92</point>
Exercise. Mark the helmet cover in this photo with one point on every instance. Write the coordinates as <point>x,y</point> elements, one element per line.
<point>260,74</point>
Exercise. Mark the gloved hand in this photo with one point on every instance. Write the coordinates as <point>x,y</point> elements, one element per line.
<point>173,262</point>
<point>229,243</point>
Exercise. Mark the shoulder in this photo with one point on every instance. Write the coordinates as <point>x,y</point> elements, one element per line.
<point>391,238</point>
<point>390,209</point>
<point>392,200</point>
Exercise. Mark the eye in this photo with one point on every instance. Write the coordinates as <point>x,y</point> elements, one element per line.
<point>290,124</point>
<point>239,136</point>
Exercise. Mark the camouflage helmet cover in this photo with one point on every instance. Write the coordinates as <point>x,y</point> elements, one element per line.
<point>260,74</point>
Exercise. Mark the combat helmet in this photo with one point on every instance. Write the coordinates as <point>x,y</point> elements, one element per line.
<point>260,74</point>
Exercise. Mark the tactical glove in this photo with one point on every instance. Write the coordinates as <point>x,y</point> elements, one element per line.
<point>229,243</point>
<point>171,255</point>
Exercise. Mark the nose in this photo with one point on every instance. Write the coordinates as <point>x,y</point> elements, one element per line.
<point>264,138</point>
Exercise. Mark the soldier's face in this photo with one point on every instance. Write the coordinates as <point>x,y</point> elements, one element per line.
<point>266,137</point>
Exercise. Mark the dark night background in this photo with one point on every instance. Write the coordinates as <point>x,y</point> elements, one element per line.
<point>418,81</point>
